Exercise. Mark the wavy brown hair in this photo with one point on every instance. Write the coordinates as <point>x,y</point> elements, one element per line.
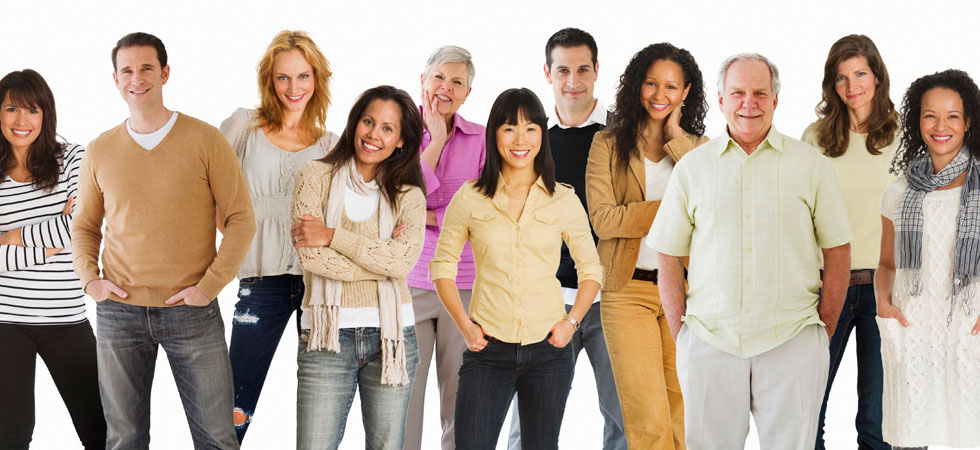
<point>402,168</point>
<point>833,122</point>
<point>27,89</point>
<point>270,108</point>
<point>628,116</point>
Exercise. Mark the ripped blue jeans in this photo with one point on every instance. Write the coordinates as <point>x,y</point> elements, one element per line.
<point>265,305</point>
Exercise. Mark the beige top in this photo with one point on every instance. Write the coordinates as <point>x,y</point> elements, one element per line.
<point>269,173</point>
<point>753,225</point>
<point>159,212</point>
<point>516,296</point>
<point>356,255</point>
<point>862,178</point>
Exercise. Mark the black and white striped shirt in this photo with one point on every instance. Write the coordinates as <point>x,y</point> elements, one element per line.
<point>33,289</point>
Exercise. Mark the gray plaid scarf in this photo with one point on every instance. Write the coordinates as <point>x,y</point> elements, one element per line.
<point>908,225</point>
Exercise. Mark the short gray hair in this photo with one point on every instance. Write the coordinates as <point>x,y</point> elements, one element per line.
<point>723,70</point>
<point>450,54</point>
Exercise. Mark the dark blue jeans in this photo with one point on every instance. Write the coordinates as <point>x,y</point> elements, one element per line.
<point>858,314</point>
<point>264,307</point>
<point>540,374</point>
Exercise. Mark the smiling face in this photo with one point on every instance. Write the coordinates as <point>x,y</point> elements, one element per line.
<point>748,102</point>
<point>447,85</point>
<point>292,78</point>
<point>377,136</point>
<point>20,125</point>
<point>855,84</point>
<point>942,124</point>
<point>572,76</point>
<point>140,78</point>
<point>663,89</point>
<point>518,144</point>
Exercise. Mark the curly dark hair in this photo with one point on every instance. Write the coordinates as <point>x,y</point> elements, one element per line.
<point>833,123</point>
<point>628,115</point>
<point>27,89</point>
<point>912,144</point>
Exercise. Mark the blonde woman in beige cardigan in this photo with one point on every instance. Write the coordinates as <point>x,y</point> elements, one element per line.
<point>360,216</point>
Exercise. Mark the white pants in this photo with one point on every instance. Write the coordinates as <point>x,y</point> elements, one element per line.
<point>783,388</point>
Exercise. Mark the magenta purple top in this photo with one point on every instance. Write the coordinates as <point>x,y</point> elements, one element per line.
<point>461,160</point>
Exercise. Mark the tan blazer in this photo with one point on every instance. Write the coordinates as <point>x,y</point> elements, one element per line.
<point>620,214</point>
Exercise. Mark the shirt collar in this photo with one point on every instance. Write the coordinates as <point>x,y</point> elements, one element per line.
<point>773,140</point>
<point>464,126</point>
<point>598,115</point>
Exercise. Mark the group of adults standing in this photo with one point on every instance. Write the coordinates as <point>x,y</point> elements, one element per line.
<point>503,251</point>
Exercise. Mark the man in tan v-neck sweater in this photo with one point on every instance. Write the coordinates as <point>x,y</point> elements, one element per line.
<point>157,180</point>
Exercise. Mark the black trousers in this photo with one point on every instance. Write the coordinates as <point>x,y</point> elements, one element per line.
<point>69,353</point>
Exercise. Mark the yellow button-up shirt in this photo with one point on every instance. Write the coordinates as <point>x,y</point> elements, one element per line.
<point>753,226</point>
<point>516,296</point>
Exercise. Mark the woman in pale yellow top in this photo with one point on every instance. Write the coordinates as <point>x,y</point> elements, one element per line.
<point>515,218</point>
<point>659,116</point>
<point>857,131</point>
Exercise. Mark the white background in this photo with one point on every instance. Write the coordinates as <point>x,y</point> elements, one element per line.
<point>214,47</point>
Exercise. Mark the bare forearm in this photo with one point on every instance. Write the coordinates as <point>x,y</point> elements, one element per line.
<point>449,296</point>
<point>587,291</point>
<point>670,282</point>
<point>836,277</point>
<point>432,153</point>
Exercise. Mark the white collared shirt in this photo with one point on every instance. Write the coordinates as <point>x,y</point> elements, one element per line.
<point>598,115</point>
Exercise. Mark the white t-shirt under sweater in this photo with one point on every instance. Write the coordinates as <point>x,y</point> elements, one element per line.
<point>359,208</point>
<point>149,141</point>
<point>657,175</point>
<point>35,290</point>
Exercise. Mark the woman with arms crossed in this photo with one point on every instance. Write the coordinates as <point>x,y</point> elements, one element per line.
<point>659,116</point>
<point>42,306</point>
<point>272,142</point>
<point>360,214</point>
<point>857,131</point>
<point>927,279</point>
<point>515,217</point>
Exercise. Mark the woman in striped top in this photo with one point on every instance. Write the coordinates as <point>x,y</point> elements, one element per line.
<point>42,306</point>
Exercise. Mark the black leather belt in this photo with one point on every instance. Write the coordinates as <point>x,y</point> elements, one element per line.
<point>645,275</point>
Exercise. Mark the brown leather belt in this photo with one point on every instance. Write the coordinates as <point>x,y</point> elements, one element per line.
<point>645,275</point>
<point>859,277</point>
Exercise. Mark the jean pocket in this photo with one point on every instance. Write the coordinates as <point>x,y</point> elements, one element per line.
<point>408,331</point>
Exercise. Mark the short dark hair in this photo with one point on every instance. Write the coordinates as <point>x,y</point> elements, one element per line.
<point>140,39</point>
<point>912,144</point>
<point>402,168</point>
<point>509,106</point>
<point>570,37</point>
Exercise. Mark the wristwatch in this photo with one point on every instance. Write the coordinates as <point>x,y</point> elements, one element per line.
<point>572,321</point>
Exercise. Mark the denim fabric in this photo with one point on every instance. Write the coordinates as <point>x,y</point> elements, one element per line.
<point>327,382</point>
<point>589,337</point>
<point>264,307</point>
<point>539,373</point>
<point>858,314</point>
<point>194,340</point>
<point>68,351</point>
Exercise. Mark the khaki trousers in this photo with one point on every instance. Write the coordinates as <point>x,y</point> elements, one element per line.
<point>642,354</point>
<point>783,388</point>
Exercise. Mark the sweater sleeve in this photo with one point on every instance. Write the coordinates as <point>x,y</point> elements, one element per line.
<point>15,257</point>
<point>56,232</point>
<point>231,198</point>
<point>309,195</point>
<point>87,223</point>
<point>386,256</point>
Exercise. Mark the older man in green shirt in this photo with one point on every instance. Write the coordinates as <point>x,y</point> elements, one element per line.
<point>753,209</point>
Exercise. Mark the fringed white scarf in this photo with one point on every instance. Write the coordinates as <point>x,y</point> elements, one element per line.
<point>326,293</point>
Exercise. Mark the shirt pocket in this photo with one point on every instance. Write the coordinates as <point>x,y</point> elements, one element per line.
<point>489,233</point>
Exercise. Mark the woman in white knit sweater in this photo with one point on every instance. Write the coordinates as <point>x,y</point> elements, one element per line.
<point>360,218</point>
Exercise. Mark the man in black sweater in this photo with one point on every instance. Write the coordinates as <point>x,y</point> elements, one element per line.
<point>571,67</point>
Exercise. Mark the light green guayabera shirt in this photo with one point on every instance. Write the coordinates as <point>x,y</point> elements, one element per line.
<point>753,226</point>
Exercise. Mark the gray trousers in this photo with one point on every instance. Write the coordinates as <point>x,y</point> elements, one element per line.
<point>435,329</point>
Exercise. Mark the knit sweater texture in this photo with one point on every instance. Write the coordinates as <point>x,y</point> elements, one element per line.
<point>159,211</point>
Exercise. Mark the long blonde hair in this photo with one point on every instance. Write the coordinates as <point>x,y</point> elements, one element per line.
<point>270,108</point>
